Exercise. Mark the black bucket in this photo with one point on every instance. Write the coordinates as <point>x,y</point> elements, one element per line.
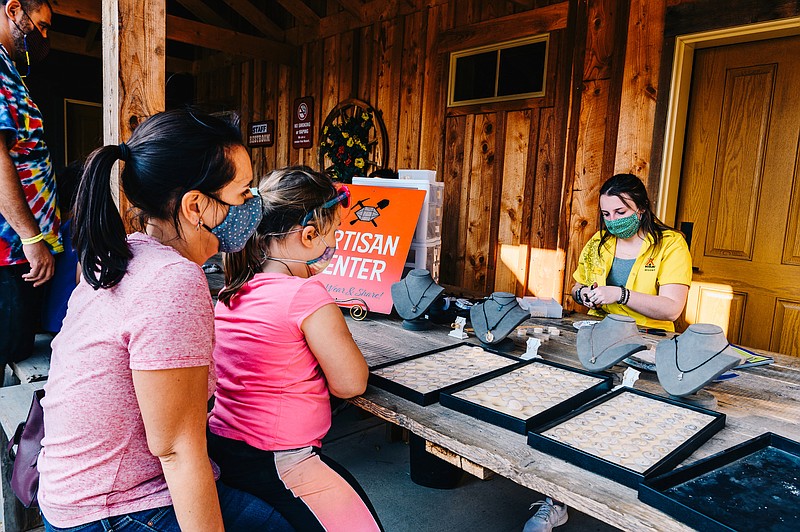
<point>428,470</point>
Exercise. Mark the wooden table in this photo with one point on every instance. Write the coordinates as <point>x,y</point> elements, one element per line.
<point>761,399</point>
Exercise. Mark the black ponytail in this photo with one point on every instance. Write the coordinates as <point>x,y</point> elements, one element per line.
<point>98,231</point>
<point>168,155</point>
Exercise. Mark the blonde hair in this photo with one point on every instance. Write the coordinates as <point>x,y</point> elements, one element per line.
<point>287,195</point>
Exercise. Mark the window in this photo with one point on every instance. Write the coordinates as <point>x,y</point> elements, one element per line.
<point>507,71</point>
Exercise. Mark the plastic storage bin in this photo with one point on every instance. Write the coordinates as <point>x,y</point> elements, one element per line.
<point>429,223</point>
<point>421,175</point>
<point>541,307</point>
<point>425,256</point>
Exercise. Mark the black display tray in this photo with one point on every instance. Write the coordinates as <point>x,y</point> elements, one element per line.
<point>523,425</point>
<point>754,485</point>
<point>619,473</point>
<point>430,397</point>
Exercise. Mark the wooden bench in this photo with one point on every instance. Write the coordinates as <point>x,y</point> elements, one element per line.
<point>15,401</point>
<point>36,367</point>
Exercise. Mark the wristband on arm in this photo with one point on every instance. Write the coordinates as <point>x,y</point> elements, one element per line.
<point>576,295</point>
<point>624,296</point>
<point>32,240</point>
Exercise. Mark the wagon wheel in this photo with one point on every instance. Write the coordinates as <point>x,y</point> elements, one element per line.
<point>377,141</point>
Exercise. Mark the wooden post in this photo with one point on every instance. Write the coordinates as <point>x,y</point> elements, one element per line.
<point>134,70</point>
<point>640,89</point>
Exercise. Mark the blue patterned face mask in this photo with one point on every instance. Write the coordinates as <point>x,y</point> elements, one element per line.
<point>624,227</point>
<point>239,224</point>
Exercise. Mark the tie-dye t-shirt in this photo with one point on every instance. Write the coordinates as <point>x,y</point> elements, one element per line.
<point>21,125</point>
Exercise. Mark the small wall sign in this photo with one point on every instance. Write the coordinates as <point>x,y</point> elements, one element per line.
<point>302,122</point>
<point>261,134</point>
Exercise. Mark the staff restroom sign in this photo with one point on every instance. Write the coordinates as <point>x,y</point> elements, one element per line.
<point>372,244</point>
<point>302,123</point>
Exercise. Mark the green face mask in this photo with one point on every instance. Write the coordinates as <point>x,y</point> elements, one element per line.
<point>623,227</point>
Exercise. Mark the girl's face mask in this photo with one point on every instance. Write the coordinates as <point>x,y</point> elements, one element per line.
<point>318,264</point>
<point>239,224</point>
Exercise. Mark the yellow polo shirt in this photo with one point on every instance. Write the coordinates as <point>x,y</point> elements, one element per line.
<point>668,263</point>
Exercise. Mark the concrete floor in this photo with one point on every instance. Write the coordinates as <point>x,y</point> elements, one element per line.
<point>497,505</point>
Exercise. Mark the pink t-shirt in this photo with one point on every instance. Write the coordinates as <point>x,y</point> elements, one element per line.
<point>271,392</point>
<point>95,462</point>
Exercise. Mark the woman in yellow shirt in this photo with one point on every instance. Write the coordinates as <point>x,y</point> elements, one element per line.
<point>635,265</point>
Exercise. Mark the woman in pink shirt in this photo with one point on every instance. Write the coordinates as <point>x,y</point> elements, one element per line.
<point>131,371</point>
<point>282,348</point>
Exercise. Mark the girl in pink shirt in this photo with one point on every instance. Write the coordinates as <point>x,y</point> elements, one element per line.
<point>282,348</point>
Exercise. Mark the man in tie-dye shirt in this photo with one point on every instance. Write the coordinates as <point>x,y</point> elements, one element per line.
<point>29,218</point>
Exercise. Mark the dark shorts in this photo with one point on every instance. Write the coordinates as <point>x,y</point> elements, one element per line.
<point>20,314</point>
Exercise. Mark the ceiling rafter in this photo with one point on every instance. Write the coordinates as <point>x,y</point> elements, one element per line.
<point>530,4</point>
<point>204,13</point>
<point>232,42</point>
<point>91,36</point>
<point>300,11</point>
<point>257,18</point>
<point>374,11</point>
<point>354,7</point>
<point>73,44</point>
<point>195,33</point>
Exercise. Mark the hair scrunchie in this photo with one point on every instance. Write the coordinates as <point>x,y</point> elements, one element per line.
<point>124,152</point>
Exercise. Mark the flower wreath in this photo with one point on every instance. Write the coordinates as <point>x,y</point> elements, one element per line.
<point>345,144</point>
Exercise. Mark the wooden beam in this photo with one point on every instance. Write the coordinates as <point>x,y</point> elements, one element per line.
<point>194,33</point>
<point>204,13</point>
<point>134,70</point>
<point>374,11</point>
<point>640,88</point>
<point>91,36</point>
<point>80,9</point>
<point>73,44</point>
<point>354,7</point>
<point>257,18</point>
<point>542,20</point>
<point>528,4</point>
<point>232,42</point>
<point>299,10</point>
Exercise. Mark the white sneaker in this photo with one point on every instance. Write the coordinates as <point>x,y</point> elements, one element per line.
<point>549,515</point>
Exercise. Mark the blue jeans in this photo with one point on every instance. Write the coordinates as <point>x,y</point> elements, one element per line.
<point>240,512</point>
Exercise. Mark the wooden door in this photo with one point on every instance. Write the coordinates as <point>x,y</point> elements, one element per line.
<point>740,192</point>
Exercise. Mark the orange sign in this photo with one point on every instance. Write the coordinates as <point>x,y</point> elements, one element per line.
<point>372,244</point>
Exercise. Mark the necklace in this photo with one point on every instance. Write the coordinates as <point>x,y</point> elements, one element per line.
<point>415,306</point>
<point>279,260</point>
<point>682,371</point>
<point>591,344</point>
<point>489,337</point>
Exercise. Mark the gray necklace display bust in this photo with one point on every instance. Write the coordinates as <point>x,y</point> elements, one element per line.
<point>688,362</point>
<point>496,317</point>
<point>604,344</point>
<point>414,294</point>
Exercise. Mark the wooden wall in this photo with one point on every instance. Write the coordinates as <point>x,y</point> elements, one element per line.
<point>521,178</point>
